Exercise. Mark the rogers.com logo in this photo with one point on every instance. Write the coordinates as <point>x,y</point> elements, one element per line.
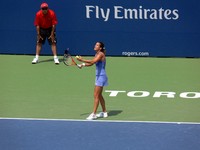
<point>129,53</point>
<point>156,94</point>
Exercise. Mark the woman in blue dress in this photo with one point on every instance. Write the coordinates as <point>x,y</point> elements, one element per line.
<point>101,79</point>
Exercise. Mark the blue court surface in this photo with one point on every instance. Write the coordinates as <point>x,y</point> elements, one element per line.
<point>43,134</point>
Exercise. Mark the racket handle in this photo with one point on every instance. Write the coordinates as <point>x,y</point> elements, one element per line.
<point>79,66</point>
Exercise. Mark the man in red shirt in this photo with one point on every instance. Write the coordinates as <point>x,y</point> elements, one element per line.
<point>45,22</point>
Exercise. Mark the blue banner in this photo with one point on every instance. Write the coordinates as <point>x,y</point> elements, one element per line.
<point>127,27</point>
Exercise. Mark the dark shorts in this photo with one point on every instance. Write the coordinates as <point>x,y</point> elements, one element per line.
<point>101,81</point>
<point>45,34</point>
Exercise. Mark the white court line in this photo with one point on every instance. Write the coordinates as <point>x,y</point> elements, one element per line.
<point>109,121</point>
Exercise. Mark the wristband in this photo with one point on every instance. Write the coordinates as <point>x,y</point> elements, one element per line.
<point>83,64</point>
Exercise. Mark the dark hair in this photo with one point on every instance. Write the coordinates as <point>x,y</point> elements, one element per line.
<point>103,47</point>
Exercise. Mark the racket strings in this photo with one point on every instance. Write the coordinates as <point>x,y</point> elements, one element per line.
<point>68,60</point>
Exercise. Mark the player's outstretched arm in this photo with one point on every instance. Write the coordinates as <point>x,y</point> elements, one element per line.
<point>91,62</point>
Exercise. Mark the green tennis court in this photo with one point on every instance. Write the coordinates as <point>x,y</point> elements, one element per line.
<point>149,89</point>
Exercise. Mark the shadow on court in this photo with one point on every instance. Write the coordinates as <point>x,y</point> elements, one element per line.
<point>49,60</point>
<point>114,112</point>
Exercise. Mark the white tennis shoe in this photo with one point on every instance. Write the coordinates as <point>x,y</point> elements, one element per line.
<point>56,61</point>
<point>35,61</point>
<point>92,116</point>
<point>102,115</point>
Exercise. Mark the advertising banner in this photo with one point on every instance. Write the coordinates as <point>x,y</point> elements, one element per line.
<point>147,28</point>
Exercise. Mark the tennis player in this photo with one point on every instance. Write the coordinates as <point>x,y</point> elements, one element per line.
<point>101,79</point>
<point>45,22</point>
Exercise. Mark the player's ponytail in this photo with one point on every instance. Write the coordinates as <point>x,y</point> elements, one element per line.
<point>102,47</point>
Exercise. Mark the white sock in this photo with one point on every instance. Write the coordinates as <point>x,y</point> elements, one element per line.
<point>37,56</point>
<point>55,57</point>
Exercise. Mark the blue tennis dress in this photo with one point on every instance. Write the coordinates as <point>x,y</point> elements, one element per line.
<point>101,77</point>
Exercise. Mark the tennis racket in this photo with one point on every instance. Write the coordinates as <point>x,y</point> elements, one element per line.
<point>68,59</point>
